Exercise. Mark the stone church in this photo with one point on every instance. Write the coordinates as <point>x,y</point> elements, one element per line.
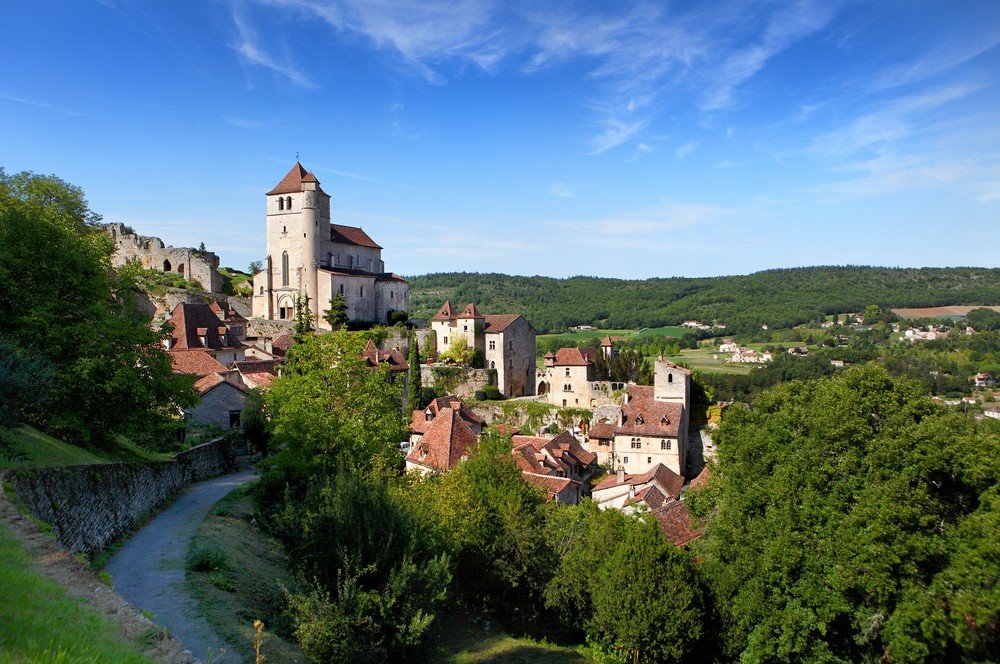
<point>308,255</point>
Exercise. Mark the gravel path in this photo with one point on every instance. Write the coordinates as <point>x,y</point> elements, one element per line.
<point>149,570</point>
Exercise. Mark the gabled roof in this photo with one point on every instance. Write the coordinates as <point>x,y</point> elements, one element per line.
<point>572,357</point>
<point>226,312</point>
<point>677,523</point>
<point>419,422</point>
<point>606,341</point>
<point>701,480</point>
<point>552,485</point>
<point>392,359</point>
<point>391,276</point>
<point>666,480</point>
<point>351,235</point>
<point>643,416</point>
<point>446,442</point>
<point>603,430</point>
<point>496,323</point>
<point>539,454</point>
<point>445,312</point>
<point>292,182</point>
<point>206,384</point>
<point>195,362</point>
<point>192,321</point>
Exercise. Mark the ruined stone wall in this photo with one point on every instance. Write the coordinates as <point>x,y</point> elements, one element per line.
<point>91,506</point>
<point>151,253</point>
<point>464,385</point>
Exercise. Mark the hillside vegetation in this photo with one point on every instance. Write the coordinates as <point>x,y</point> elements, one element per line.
<point>779,298</point>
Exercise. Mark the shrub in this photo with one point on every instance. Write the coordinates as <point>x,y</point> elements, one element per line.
<point>206,559</point>
<point>492,392</point>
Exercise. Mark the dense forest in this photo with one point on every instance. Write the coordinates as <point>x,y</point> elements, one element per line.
<point>779,298</point>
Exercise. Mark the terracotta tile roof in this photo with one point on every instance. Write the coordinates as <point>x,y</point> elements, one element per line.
<point>392,359</point>
<point>499,322</point>
<point>283,343</point>
<point>206,384</point>
<point>676,367</point>
<point>257,365</point>
<point>419,422</point>
<point>446,442</point>
<point>390,276</point>
<point>603,430</point>
<point>702,480</point>
<point>505,429</point>
<point>652,496</point>
<point>470,311</point>
<point>292,182</point>
<point>606,341</point>
<point>445,312</point>
<point>195,362</point>
<point>226,313</point>
<point>677,523</point>
<point>191,321</point>
<point>552,485</point>
<point>646,417</point>
<point>561,454</point>
<point>571,357</point>
<point>669,482</point>
<point>261,379</point>
<point>351,235</point>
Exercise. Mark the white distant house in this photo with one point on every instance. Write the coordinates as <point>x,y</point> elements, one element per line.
<point>745,355</point>
<point>984,379</point>
<point>728,346</point>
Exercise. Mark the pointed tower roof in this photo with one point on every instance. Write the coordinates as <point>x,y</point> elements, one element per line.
<point>292,182</point>
<point>606,341</point>
<point>445,312</point>
<point>471,311</point>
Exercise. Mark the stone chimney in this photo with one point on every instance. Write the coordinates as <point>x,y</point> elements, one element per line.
<point>620,475</point>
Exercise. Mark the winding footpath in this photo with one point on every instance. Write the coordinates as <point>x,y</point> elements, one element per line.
<point>148,570</point>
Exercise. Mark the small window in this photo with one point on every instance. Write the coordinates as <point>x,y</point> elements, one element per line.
<point>234,419</point>
<point>649,459</point>
<point>180,269</point>
<point>625,459</point>
<point>465,328</point>
<point>510,365</point>
<point>284,230</point>
<point>288,202</point>
<point>284,268</point>
<point>445,341</point>
<point>564,403</point>
<point>665,445</point>
<point>281,203</point>
<point>493,345</point>
<point>670,378</point>
<point>362,291</point>
<point>567,372</point>
<point>261,290</point>
<point>341,289</point>
<point>391,295</point>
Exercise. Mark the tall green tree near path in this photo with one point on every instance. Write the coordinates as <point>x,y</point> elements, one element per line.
<point>848,521</point>
<point>336,315</point>
<point>62,303</point>
<point>413,386</point>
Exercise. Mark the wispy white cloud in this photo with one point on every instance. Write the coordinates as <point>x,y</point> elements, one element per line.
<point>37,104</point>
<point>668,216</point>
<point>942,58</point>
<point>560,190</point>
<point>251,52</point>
<point>684,150</point>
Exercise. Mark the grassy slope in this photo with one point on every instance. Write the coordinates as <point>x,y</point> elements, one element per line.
<point>40,622</point>
<point>41,450</point>
<point>250,584</point>
<point>460,641</point>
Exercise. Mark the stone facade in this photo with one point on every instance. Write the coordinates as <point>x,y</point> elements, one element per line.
<point>308,256</point>
<point>90,506</point>
<point>221,405</point>
<point>568,380</point>
<point>151,253</point>
<point>465,387</point>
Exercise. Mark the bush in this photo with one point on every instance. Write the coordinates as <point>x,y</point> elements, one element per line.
<point>492,392</point>
<point>206,559</point>
<point>479,395</point>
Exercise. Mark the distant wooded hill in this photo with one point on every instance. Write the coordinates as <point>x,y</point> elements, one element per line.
<point>779,298</point>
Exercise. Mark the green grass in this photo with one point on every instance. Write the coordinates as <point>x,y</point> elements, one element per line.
<point>40,622</point>
<point>237,573</point>
<point>234,281</point>
<point>597,335</point>
<point>34,448</point>
<point>460,641</point>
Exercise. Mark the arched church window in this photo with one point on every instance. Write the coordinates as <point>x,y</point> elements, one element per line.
<point>166,266</point>
<point>281,203</point>
<point>284,268</point>
<point>288,202</point>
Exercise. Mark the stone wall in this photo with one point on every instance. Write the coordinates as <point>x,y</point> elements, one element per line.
<point>464,386</point>
<point>271,329</point>
<point>151,253</point>
<point>91,506</point>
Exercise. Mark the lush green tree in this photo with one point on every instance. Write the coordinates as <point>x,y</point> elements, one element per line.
<point>847,517</point>
<point>62,305</point>
<point>983,319</point>
<point>254,422</point>
<point>459,351</point>
<point>336,315</point>
<point>413,386</point>
<point>254,267</point>
<point>303,316</point>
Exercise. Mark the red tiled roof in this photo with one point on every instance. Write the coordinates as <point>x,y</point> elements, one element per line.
<point>539,454</point>
<point>552,485</point>
<point>284,342</point>
<point>499,322</point>
<point>226,313</point>
<point>505,429</point>
<point>261,379</point>
<point>701,480</point>
<point>191,321</point>
<point>419,422</point>
<point>652,496</point>
<point>603,430</point>
<point>447,441</point>
<point>677,523</point>
<point>572,357</point>
<point>606,341</point>
<point>445,312</point>
<point>392,359</point>
<point>256,365</point>
<point>206,384</point>
<point>351,235</point>
<point>196,362</point>
<point>390,276</point>
<point>470,311</point>
<point>292,182</point>
<point>669,482</point>
<point>646,417</point>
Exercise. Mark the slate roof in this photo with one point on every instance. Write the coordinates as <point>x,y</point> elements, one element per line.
<point>446,442</point>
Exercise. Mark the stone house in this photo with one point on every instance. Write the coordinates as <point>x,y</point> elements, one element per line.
<point>200,342</point>
<point>150,252</point>
<point>446,441</point>
<point>507,342</point>
<point>421,420</point>
<point>568,379</point>
<point>630,492</point>
<point>559,464</point>
<point>309,256</point>
<point>222,397</point>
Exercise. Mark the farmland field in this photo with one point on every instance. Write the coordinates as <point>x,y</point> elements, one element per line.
<point>597,335</point>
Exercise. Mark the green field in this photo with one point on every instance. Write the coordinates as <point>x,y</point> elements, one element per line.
<point>460,641</point>
<point>708,359</point>
<point>597,335</point>
<point>33,448</point>
<point>40,622</point>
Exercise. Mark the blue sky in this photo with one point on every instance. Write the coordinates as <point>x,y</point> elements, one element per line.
<point>602,138</point>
